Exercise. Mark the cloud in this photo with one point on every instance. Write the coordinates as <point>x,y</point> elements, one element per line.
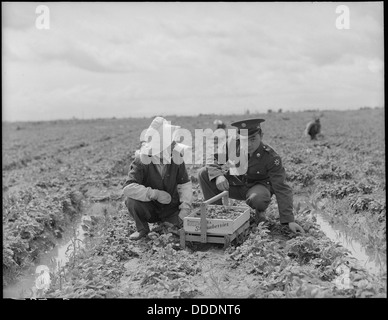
<point>42,47</point>
<point>375,65</point>
<point>96,59</point>
<point>18,16</point>
<point>134,58</point>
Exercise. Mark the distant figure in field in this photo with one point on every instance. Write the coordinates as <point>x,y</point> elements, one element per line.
<point>313,128</point>
<point>219,124</point>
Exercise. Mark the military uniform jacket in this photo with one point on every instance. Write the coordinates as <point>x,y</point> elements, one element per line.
<point>264,167</point>
<point>148,175</point>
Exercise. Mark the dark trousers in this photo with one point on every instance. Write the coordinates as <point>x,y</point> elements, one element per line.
<point>257,197</point>
<point>149,212</point>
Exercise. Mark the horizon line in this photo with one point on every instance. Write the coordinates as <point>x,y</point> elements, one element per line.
<point>269,111</point>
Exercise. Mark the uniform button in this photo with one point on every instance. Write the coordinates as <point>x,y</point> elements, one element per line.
<point>258,171</point>
<point>267,182</point>
<point>258,155</point>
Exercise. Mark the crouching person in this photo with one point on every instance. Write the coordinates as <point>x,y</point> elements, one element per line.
<point>263,177</point>
<point>158,187</point>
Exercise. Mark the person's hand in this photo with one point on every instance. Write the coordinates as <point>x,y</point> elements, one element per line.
<point>161,196</point>
<point>295,227</point>
<point>222,183</point>
<point>183,213</point>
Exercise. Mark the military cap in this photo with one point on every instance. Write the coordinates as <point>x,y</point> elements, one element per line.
<point>253,125</point>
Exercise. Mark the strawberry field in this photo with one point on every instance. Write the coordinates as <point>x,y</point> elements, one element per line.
<point>54,172</point>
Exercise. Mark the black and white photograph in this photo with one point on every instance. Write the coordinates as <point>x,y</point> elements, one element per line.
<point>193,157</point>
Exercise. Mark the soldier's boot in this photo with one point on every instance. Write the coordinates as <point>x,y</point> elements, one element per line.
<point>260,217</point>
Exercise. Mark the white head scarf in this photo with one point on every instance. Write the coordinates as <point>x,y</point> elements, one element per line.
<point>159,136</point>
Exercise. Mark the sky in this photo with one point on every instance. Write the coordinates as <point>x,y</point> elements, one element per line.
<point>135,59</point>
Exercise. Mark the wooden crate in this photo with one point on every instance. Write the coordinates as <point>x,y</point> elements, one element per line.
<point>205,230</point>
<point>192,223</point>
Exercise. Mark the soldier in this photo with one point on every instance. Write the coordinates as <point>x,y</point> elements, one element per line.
<point>264,177</point>
<point>158,187</point>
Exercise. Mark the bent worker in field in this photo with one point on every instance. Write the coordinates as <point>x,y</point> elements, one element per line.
<point>219,124</point>
<point>264,176</point>
<point>313,128</point>
<point>158,187</point>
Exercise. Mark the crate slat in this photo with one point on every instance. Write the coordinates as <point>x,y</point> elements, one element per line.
<point>225,239</point>
<point>207,230</point>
